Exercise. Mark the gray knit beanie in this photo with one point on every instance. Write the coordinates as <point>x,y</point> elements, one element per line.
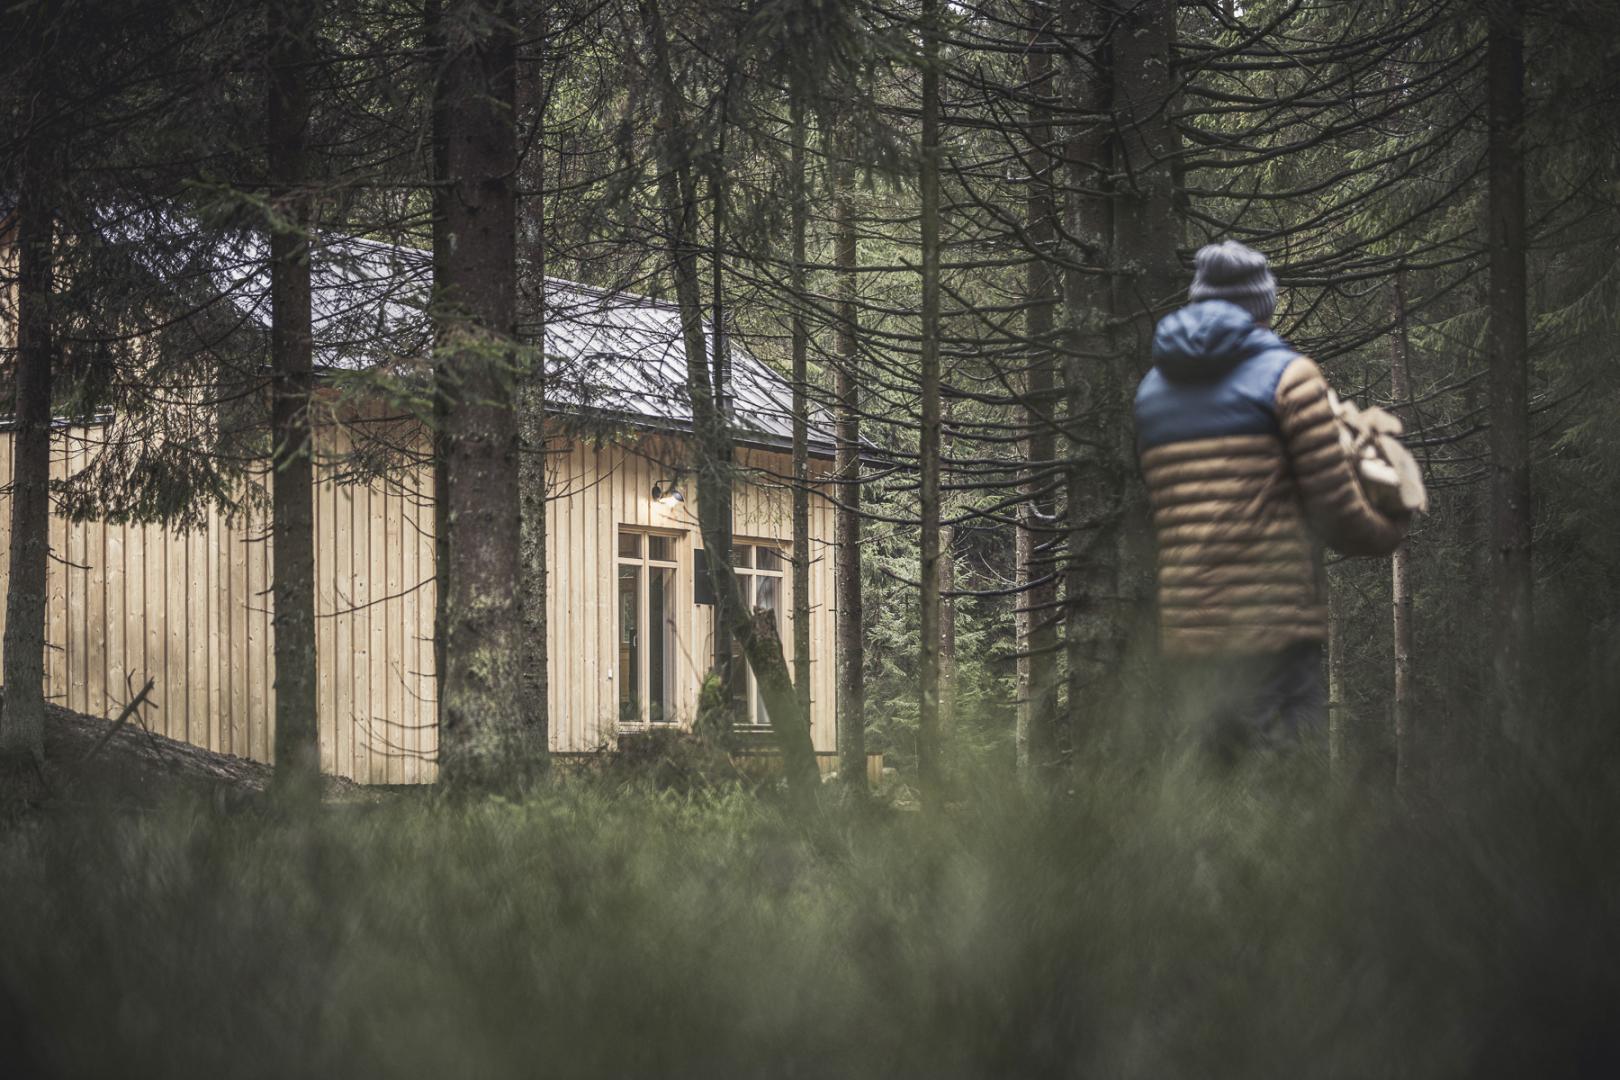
<point>1230,271</point>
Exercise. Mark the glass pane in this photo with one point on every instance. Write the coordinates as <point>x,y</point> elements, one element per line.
<point>742,555</point>
<point>767,591</point>
<point>767,594</point>
<point>660,548</point>
<point>661,646</point>
<point>767,559</point>
<point>629,644</point>
<point>629,545</point>
<point>742,677</point>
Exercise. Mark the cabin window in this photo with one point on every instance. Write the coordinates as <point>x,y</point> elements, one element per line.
<point>646,611</point>
<point>759,576</point>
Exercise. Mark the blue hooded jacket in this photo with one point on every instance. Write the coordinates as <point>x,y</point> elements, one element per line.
<point>1246,479</point>
<point>1215,372</point>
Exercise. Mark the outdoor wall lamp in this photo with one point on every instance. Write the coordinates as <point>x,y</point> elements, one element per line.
<point>666,493</point>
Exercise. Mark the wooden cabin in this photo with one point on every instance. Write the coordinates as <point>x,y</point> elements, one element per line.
<point>630,615</point>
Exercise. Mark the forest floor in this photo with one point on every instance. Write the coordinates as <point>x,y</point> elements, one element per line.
<point>1149,921</point>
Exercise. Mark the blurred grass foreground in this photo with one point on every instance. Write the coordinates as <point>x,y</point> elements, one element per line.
<point>1144,924</point>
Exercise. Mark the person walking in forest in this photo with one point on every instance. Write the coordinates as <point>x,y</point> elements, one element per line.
<point>1247,482</point>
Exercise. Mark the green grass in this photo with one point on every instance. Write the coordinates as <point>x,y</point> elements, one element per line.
<point>1148,924</point>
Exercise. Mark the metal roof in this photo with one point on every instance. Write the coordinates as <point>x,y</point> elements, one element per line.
<point>607,352</point>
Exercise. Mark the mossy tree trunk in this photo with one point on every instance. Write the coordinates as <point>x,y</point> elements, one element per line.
<point>482,738</point>
<point>928,452</point>
<point>851,630</point>
<point>1400,592</point>
<point>1147,283</point>
<point>1087,372</point>
<point>22,720</point>
<point>293,26</point>
<point>677,188</point>
<point>535,578</point>
<point>1036,540</point>
<point>800,333</point>
<point>1341,745</point>
<point>434,53</point>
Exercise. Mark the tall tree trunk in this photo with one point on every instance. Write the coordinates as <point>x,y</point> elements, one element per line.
<point>1511,507</point>
<point>22,720</point>
<point>1341,745</point>
<point>1147,282</point>
<point>1147,230</point>
<point>754,631</point>
<point>293,26</point>
<point>801,415</point>
<point>760,644</point>
<point>482,742</point>
<point>1401,562</point>
<point>1036,615</point>
<point>1088,371</point>
<point>851,630</point>
<point>1469,670</point>
<point>535,577</point>
<point>1023,705</point>
<point>733,620</point>
<point>677,188</point>
<point>435,54</point>
<point>947,589</point>
<point>947,631</point>
<point>928,446</point>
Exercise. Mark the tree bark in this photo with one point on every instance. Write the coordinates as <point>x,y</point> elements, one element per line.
<point>1023,706</point>
<point>677,191</point>
<point>535,579</point>
<point>435,54</point>
<point>851,630</point>
<point>22,720</point>
<point>1036,738</point>
<point>1400,562</point>
<point>947,631</point>
<point>1146,272</point>
<point>1511,507</point>
<point>1147,282</point>
<point>801,414</point>
<point>1469,671</point>
<point>678,194</point>
<point>1088,370</point>
<point>928,460</point>
<point>482,741</point>
<point>293,26</point>
<point>754,631</point>
<point>764,651</point>
<point>947,589</point>
<point>719,460</point>
<point>1341,745</point>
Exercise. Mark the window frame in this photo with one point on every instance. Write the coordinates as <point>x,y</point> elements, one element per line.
<point>748,579</point>
<point>645,564</point>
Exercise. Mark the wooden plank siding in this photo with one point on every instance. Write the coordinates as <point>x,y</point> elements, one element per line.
<point>599,488</point>
<point>129,602</point>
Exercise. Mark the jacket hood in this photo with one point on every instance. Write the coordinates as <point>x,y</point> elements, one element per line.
<point>1204,341</point>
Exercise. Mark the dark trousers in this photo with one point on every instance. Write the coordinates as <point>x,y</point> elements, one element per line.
<point>1235,705</point>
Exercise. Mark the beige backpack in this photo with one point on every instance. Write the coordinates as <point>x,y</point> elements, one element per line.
<point>1388,472</point>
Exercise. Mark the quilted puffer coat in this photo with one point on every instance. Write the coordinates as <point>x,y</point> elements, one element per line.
<point>1247,481</point>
